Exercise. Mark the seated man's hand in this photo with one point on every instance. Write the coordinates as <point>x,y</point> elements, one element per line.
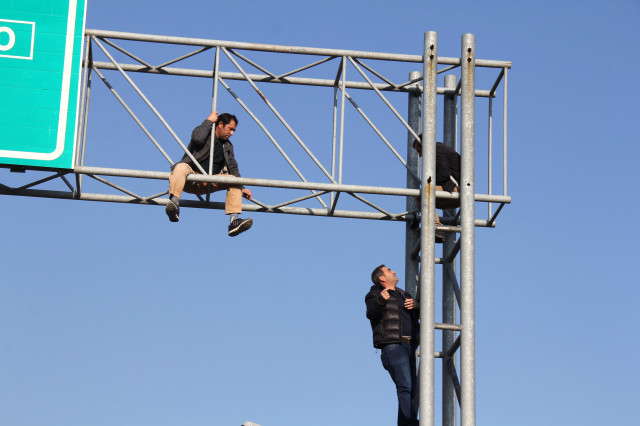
<point>246,193</point>
<point>213,117</point>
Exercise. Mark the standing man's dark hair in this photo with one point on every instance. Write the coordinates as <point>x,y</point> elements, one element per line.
<point>376,273</point>
<point>394,322</point>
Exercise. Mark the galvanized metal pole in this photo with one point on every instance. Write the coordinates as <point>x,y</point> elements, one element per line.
<point>505,134</point>
<point>214,107</point>
<point>334,127</point>
<point>467,264</point>
<point>81,131</point>
<point>427,232</point>
<point>86,122</point>
<point>342,96</point>
<point>82,114</point>
<point>490,157</point>
<point>448,269</point>
<point>82,140</point>
<point>412,228</point>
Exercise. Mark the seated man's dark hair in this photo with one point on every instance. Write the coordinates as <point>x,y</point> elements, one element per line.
<point>226,118</point>
<point>375,275</point>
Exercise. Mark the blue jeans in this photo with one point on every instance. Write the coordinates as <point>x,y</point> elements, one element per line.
<point>399,359</point>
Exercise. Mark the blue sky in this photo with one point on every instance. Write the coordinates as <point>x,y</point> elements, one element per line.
<point>109,315</point>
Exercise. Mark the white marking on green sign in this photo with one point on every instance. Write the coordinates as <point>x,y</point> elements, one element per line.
<point>11,38</point>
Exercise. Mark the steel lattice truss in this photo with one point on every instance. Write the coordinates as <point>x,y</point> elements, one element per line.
<point>106,43</point>
<point>458,309</point>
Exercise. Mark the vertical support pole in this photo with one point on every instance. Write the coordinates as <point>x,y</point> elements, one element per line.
<point>86,69</point>
<point>216,79</point>
<point>490,158</point>
<point>467,266</point>
<point>412,225</point>
<point>427,232</point>
<point>334,131</point>
<point>342,90</point>
<point>214,106</point>
<point>85,96</point>
<point>448,269</point>
<point>87,104</point>
<point>505,138</point>
<point>86,121</point>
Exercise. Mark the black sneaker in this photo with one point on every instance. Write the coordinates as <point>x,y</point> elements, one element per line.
<point>238,226</point>
<point>173,211</point>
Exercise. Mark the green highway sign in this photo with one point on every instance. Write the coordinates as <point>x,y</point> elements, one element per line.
<point>40,65</point>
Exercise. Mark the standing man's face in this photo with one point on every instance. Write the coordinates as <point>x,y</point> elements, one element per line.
<point>389,276</point>
<point>224,131</point>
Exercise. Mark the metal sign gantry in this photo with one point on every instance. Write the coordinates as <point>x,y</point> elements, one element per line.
<point>458,306</point>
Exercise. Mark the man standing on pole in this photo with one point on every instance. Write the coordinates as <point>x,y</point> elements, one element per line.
<point>394,322</point>
<point>223,163</point>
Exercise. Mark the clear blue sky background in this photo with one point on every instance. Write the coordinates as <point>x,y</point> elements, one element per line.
<point>111,316</point>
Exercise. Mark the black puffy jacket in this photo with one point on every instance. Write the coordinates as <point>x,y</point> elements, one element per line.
<point>384,316</point>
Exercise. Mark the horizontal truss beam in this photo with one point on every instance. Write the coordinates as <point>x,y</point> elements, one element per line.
<point>266,78</point>
<point>131,198</point>
<point>110,198</point>
<point>273,183</point>
<point>488,63</point>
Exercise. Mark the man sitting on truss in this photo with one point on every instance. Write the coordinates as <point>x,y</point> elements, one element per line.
<point>223,162</point>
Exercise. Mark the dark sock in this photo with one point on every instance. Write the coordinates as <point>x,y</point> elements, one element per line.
<point>175,200</point>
